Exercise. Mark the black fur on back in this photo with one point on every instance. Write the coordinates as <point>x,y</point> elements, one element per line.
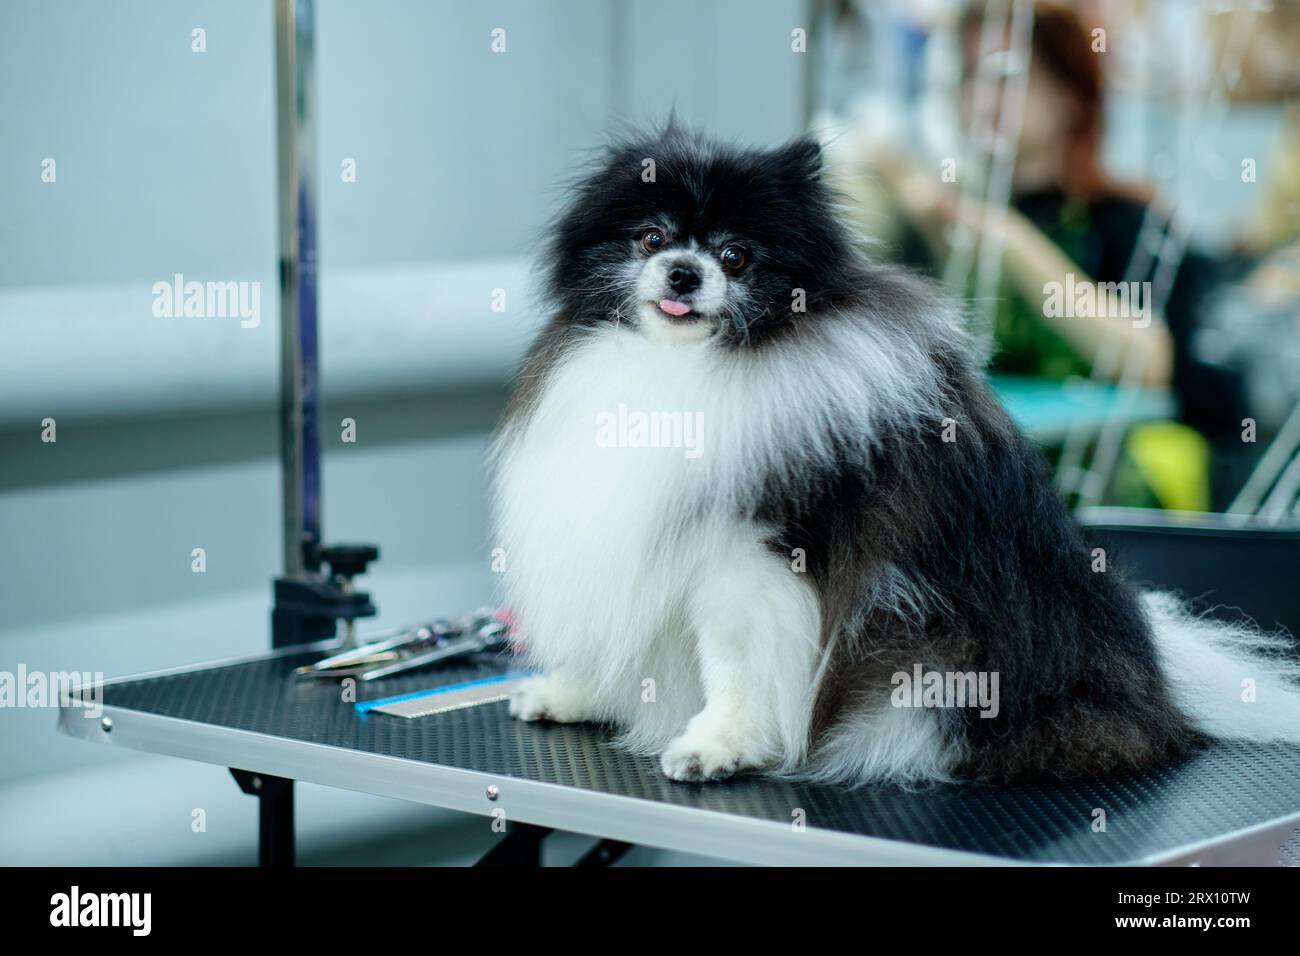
<point>1008,587</point>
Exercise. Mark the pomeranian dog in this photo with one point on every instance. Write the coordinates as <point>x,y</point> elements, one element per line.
<point>760,511</point>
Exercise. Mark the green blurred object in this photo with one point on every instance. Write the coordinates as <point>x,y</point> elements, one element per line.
<point>1175,464</point>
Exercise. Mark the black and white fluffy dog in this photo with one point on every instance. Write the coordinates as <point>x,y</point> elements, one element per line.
<point>856,509</point>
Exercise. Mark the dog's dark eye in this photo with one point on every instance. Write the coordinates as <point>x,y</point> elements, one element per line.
<point>652,240</point>
<point>734,258</point>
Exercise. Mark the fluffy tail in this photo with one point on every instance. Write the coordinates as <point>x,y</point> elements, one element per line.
<point>1233,681</point>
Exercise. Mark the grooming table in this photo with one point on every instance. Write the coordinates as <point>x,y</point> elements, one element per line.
<point>1233,804</point>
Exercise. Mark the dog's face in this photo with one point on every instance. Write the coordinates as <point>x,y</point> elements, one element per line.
<point>687,240</point>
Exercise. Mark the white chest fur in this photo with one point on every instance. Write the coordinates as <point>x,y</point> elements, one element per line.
<point>644,586</point>
<point>600,502</point>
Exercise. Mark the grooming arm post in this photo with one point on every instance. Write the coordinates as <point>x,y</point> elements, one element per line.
<point>308,605</point>
<point>299,383</point>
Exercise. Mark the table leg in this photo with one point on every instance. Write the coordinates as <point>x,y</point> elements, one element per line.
<point>275,833</point>
<point>521,846</point>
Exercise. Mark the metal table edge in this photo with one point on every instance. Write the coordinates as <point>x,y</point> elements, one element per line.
<point>1268,834</point>
<point>330,644</point>
<point>611,816</point>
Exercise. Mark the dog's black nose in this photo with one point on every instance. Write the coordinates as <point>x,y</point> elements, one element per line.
<point>683,279</point>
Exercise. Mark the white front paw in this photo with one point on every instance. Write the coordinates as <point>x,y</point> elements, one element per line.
<point>703,756</point>
<point>546,698</point>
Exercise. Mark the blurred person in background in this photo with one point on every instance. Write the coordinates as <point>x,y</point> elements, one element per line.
<point>1067,220</point>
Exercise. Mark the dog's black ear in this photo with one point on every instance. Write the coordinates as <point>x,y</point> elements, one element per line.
<point>673,128</point>
<point>801,159</point>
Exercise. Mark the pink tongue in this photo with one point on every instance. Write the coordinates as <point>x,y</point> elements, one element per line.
<point>673,307</point>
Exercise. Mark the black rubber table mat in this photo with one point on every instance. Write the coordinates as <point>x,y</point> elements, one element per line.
<point>1227,788</point>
